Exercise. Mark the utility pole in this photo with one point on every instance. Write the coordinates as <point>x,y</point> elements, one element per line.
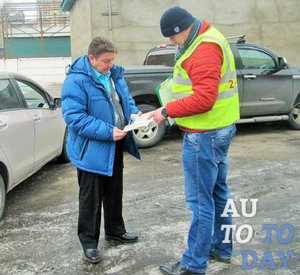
<point>42,30</point>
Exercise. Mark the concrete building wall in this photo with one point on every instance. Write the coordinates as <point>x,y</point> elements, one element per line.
<point>80,27</point>
<point>135,28</point>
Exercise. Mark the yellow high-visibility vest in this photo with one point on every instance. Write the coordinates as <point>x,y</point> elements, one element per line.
<point>226,108</point>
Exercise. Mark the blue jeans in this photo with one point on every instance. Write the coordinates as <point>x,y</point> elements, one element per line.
<point>205,164</point>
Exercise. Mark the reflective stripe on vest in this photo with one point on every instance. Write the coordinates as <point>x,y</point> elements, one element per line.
<point>228,79</point>
<point>227,90</point>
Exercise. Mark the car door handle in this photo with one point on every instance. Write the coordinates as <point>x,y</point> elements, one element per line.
<point>3,124</point>
<point>36,118</point>
<point>250,76</point>
<point>296,76</point>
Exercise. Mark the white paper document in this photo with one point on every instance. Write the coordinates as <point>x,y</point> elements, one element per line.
<point>137,122</point>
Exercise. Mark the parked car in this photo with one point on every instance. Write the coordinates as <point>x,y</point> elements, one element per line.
<point>32,131</point>
<point>269,88</point>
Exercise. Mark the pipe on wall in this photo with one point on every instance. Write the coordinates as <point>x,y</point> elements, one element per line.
<point>110,14</point>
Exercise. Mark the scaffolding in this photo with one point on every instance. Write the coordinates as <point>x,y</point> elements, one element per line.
<point>38,19</point>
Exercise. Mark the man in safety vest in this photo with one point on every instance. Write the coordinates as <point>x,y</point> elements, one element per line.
<point>205,105</point>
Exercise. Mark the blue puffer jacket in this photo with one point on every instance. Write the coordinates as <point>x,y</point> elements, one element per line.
<point>89,114</point>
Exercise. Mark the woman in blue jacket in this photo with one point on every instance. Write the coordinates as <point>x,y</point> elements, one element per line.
<point>96,105</point>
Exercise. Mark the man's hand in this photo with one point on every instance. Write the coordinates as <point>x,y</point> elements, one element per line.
<point>157,115</point>
<point>118,134</point>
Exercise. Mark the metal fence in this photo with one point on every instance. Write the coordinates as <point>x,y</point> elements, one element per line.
<point>34,28</point>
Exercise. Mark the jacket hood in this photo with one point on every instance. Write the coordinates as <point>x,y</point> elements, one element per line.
<point>82,65</point>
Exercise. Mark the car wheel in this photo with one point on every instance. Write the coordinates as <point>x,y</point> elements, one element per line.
<point>64,157</point>
<point>151,135</point>
<point>2,196</point>
<point>294,120</point>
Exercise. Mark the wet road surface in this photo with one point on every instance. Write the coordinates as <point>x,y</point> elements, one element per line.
<point>38,230</point>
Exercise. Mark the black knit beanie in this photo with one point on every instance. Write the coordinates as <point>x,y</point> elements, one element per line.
<point>175,20</point>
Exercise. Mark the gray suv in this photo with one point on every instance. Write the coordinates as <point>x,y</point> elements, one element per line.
<point>269,88</point>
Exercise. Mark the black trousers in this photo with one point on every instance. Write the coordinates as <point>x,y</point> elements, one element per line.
<point>95,189</point>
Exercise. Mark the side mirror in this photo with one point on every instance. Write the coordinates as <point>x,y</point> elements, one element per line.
<point>57,102</point>
<point>283,64</point>
<point>67,69</point>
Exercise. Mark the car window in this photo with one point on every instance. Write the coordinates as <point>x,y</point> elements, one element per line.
<point>8,97</point>
<point>255,59</point>
<point>161,59</point>
<point>33,96</point>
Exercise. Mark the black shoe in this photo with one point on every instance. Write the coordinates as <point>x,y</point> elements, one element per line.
<point>216,257</point>
<point>125,238</point>
<point>176,269</point>
<point>92,255</point>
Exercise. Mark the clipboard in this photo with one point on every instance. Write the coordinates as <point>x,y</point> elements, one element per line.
<point>164,94</point>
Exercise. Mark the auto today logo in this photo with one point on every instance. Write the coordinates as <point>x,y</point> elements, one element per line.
<point>274,233</point>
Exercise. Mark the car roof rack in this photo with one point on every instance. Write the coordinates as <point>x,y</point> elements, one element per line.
<point>240,38</point>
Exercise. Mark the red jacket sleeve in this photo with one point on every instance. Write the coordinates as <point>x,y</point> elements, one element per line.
<point>204,70</point>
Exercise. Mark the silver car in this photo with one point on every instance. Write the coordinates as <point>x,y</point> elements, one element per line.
<point>32,131</point>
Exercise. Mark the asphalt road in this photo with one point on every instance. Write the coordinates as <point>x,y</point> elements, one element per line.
<point>38,230</point>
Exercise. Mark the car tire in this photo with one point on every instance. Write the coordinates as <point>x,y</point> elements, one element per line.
<point>151,135</point>
<point>64,157</point>
<point>2,196</point>
<point>294,117</point>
